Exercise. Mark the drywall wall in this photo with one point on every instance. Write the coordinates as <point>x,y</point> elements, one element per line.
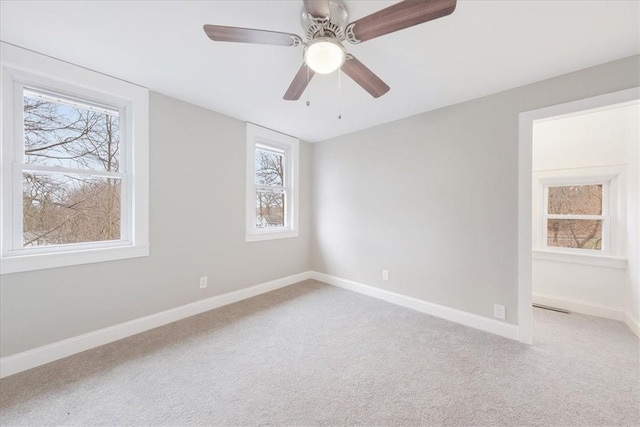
<point>434,198</point>
<point>599,138</point>
<point>595,138</point>
<point>633,224</point>
<point>197,185</point>
<point>589,289</point>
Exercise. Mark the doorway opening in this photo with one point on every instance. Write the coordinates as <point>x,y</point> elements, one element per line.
<point>578,208</point>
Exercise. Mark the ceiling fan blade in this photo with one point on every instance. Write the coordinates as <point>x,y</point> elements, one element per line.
<point>299,83</point>
<point>317,8</point>
<point>360,74</point>
<point>397,17</point>
<point>221,33</point>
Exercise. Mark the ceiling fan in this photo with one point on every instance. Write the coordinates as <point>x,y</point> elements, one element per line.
<point>326,25</point>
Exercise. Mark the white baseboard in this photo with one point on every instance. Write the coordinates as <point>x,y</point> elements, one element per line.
<point>581,307</point>
<point>458,316</point>
<point>632,323</point>
<point>48,353</point>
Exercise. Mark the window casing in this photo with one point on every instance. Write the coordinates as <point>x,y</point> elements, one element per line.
<point>75,165</point>
<point>579,213</point>
<point>272,185</point>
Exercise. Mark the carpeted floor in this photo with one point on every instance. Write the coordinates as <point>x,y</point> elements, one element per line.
<point>313,354</point>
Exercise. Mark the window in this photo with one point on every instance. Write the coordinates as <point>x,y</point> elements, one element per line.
<point>74,180</point>
<point>579,212</point>
<point>272,191</point>
<point>71,181</point>
<point>574,216</point>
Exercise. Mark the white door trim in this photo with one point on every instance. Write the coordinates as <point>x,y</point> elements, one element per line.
<point>525,170</point>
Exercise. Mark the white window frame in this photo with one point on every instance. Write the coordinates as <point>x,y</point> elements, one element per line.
<point>258,136</point>
<point>25,69</point>
<point>613,215</point>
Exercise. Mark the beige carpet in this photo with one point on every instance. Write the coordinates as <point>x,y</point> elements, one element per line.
<point>312,354</point>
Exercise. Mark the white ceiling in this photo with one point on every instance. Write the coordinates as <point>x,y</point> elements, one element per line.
<point>483,47</point>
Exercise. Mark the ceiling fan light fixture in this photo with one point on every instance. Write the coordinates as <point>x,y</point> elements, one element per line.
<point>324,55</point>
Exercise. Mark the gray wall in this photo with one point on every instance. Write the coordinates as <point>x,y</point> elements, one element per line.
<point>633,229</point>
<point>197,180</point>
<point>434,197</point>
<point>409,196</point>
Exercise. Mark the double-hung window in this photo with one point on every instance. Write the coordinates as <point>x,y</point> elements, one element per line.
<point>272,184</point>
<point>74,158</point>
<point>576,216</point>
<point>68,155</point>
<point>579,212</point>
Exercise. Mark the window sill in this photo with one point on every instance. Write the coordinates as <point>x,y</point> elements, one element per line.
<point>24,263</point>
<point>259,236</point>
<point>585,259</point>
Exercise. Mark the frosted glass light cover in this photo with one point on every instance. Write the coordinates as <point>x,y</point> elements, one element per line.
<point>324,56</point>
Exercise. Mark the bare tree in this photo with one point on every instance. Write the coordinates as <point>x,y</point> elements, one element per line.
<point>575,233</point>
<point>270,203</point>
<point>61,208</point>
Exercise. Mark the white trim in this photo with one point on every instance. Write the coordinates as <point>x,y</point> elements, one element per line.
<point>525,228</point>
<point>613,181</point>
<point>22,67</point>
<point>19,362</point>
<point>578,306</point>
<point>482,323</point>
<point>605,107</point>
<point>70,171</point>
<point>271,235</point>
<point>632,323</point>
<point>525,195</point>
<point>585,259</point>
<point>262,138</point>
<point>32,262</point>
<point>48,353</point>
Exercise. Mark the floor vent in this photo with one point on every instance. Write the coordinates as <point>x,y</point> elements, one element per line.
<point>546,307</point>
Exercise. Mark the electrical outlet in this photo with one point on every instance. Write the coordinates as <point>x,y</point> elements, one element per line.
<point>385,274</point>
<point>499,311</point>
<point>203,282</point>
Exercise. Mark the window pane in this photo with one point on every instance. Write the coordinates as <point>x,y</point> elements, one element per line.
<point>269,209</point>
<point>61,209</point>
<point>269,168</point>
<point>62,132</point>
<point>575,233</point>
<point>576,199</point>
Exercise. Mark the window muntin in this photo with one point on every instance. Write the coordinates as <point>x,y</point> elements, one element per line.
<point>272,191</point>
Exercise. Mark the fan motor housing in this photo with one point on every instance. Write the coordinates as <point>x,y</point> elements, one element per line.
<point>332,27</point>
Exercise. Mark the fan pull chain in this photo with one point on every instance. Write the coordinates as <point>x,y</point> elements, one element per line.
<point>340,94</point>
<point>308,101</point>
